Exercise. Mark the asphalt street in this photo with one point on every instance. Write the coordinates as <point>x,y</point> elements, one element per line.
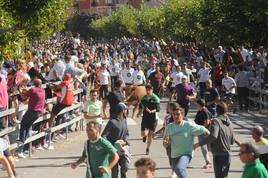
<point>55,163</point>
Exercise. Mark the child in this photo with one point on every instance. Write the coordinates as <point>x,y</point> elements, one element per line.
<point>145,168</point>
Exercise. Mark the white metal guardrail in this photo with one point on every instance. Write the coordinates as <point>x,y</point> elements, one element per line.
<point>44,117</point>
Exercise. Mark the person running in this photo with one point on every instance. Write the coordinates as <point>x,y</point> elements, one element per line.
<point>151,105</point>
<point>229,85</point>
<point>157,80</point>
<point>114,69</point>
<point>181,144</point>
<point>127,74</point>
<point>114,97</point>
<point>203,117</point>
<point>6,158</point>
<point>211,96</point>
<point>145,168</point>
<point>203,76</point>
<point>93,108</point>
<point>220,139</point>
<point>99,153</point>
<point>116,132</point>
<point>105,79</point>
<point>138,76</point>
<point>253,167</point>
<point>168,119</point>
<point>6,165</point>
<point>261,143</point>
<point>185,93</point>
<point>242,81</point>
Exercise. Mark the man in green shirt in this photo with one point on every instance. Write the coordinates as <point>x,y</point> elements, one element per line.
<point>180,134</point>
<point>99,153</point>
<point>253,167</point>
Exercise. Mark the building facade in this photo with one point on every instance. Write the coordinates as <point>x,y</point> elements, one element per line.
<point>105,7</point>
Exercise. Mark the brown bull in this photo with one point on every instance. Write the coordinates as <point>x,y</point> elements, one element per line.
<point>133,97</point>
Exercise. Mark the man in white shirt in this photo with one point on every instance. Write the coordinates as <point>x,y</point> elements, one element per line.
<point>151,70</point>
<point>138,76</point>
<point>204,75</point>
<point>127,74</point>
<point>57,71</point>
<point>104,77</point>
<point>114,69</point>
<point>229,85</point>
<point>176,76</point>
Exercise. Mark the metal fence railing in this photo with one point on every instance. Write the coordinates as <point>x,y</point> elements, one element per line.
<point>79,118</point>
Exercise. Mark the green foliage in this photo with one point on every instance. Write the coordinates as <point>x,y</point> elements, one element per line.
<point>22,20</point>
<point>225,22</point>
<point>182,18</point>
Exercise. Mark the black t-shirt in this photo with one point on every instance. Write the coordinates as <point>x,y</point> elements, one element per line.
<point>201,116</point>
<point>114,97</point>
<point>210,95</point>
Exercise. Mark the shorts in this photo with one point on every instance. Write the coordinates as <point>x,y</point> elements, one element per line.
<point>58,107</point>
<point>148,124</point>
<point>7,153</point>
<point>104,91</point>
<point>229,96</point>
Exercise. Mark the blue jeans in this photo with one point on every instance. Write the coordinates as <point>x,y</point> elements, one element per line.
<point>221,164</point>
<point>180,165</point>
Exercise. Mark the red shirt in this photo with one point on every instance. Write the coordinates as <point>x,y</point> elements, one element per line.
<point>67,95</point>
<point>36,99</point>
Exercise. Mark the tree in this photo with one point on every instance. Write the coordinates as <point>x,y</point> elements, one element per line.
<point>30,19</point>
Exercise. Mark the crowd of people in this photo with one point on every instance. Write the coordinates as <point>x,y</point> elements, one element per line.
<point>214,78</point>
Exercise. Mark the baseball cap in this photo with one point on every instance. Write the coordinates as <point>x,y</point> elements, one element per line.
<point>184,77</point>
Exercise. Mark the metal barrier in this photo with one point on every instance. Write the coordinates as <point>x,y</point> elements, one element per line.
<point>44,117</point>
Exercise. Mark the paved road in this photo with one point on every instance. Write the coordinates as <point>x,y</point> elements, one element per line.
<point>54,164</point>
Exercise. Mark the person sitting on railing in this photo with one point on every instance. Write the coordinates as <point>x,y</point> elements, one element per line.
<point>36,105</point>
<point>65,99</point>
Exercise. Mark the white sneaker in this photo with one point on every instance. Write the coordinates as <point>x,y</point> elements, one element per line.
<point>173,175</point>
<point>51,147</point>
<point>40,148</point>
<point>62,136</point>
<point>21,155</point>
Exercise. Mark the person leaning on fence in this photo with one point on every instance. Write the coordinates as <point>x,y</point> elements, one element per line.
<point>99,153</point>
<point>36,105</point>
<point>65,99</point>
